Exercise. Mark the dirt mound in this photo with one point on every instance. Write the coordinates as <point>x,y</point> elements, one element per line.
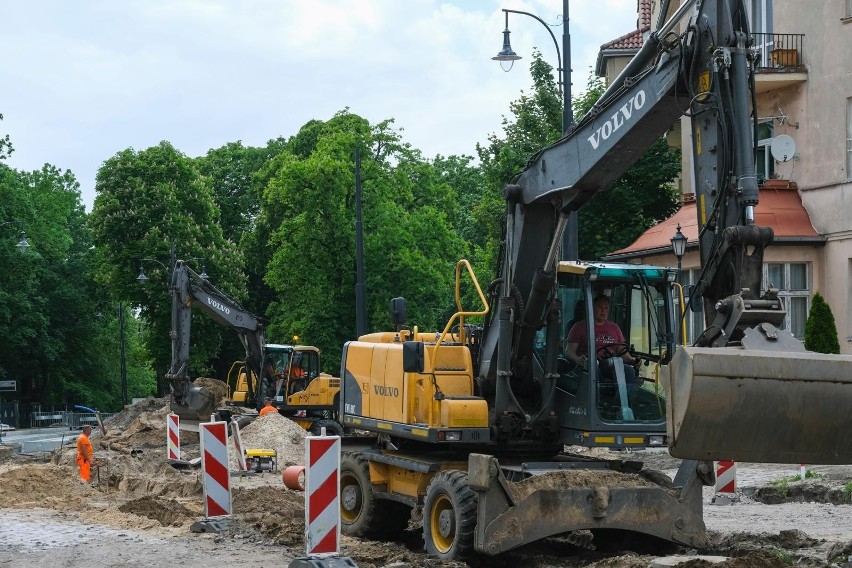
<point>121,420</point>
<point>141,425</point>
<point>278,499</point>
<point>274,432</point>
<point>577,478</point>
<point>215,387</point>
<point>275,512</point>
<point>165,511</point>
<point>44,486</point>
<point>801,492</point>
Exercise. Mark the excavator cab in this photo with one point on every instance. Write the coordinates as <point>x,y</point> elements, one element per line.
<point>606,400</point>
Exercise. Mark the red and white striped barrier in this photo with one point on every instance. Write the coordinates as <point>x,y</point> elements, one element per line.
<point>726,477</point>
<point>214,465</point>
<point>322,495</point>
<point>173,436</point>
<point>238,445</point>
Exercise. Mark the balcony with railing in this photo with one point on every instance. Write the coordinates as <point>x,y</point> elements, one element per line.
<point>780,60</point>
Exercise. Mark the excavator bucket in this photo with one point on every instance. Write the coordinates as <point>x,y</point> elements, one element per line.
<point>759,406</point>
<point>198,405</point>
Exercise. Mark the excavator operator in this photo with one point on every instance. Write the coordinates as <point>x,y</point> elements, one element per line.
<point>609,342</point>
<point>298,376</point>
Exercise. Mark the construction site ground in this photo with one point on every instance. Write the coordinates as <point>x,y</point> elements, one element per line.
<point>138,511</point>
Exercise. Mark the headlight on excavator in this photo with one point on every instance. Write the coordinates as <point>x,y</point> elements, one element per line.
<point>657,440</point>
<point>449,436</point>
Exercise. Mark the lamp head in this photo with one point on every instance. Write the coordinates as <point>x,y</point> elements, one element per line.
<point>678,243</point>
<point>23,244</point>
<point>507,54</point>
<point>142,278</point>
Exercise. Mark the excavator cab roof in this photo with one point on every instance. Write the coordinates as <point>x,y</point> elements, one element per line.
<point>617,270</point>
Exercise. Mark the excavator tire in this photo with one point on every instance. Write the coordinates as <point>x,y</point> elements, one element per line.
<point>449,516</point>
<point>361,513</point>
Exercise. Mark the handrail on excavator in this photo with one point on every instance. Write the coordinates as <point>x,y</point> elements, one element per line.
<point>461,313</point>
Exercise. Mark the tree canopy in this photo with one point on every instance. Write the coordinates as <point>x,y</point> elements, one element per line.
<point>274,228</point>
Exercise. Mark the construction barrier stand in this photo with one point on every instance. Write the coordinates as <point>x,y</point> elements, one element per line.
<point>322,495</point>
<point>238,445</point>
<point>173,436</point>
<point>214,465</point>
<point>726,477</point>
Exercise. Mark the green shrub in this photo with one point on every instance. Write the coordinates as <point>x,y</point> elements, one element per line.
<point>820,330</point>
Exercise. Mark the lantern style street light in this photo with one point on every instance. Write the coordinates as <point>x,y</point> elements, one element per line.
<point>679,249</point>
<point>23,244</point>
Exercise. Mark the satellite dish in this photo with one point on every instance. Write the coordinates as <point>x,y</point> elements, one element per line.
<point>783,148</point>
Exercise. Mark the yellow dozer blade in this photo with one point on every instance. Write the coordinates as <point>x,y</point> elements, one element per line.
<point>759,406</point>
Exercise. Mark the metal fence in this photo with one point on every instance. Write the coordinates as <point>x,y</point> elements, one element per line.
<point>781,52</point>
<point>64,419</point>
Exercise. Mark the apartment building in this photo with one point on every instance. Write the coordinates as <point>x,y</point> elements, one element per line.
<point>804,114</point>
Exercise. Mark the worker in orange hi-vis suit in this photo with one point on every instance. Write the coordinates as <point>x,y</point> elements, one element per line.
<point>85,456</point>
<point>267,408</point>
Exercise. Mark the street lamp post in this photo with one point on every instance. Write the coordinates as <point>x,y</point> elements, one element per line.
<point>569,237</point>
<point>122,354</point>
<point>679,249</point>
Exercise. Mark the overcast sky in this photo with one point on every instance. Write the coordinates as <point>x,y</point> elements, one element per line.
<point>84,80</point>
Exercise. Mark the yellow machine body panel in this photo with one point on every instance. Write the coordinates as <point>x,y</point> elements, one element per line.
<point>319,392</point>
<point>409,481</point>
<point>387,393</point>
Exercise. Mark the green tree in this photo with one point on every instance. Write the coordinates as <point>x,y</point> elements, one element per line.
<point>308,221</point>
<point>53,315</point>
<point>148,204</point>
<point>645,190</point>
<point>820,330</point>
<point>536,122</point>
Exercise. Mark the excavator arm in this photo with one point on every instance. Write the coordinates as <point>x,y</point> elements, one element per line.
<point>190,289</point>
<point>698,64</point>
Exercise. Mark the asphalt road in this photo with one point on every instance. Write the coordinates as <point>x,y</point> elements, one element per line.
<point>40,439</point>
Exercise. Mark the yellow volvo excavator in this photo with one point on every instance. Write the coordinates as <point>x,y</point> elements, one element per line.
<point>288,374</point>
<point>473,421</point>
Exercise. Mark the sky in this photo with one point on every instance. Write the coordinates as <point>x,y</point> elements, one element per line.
<point>85,80</point>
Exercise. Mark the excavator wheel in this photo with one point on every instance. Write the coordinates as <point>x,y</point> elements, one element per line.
<point>449,516</point>
<point>361,513</point>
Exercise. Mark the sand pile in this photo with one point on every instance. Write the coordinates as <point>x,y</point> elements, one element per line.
<point>44,486</point>
<point>274,432</point>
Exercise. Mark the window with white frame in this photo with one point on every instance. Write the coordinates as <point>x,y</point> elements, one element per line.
<point>792,279</point>
<point>760,18</point>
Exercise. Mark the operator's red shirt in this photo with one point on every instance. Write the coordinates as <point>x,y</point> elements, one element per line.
<point>606,332</point>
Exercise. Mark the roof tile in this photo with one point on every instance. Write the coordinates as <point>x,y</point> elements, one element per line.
<point>780,208</point>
